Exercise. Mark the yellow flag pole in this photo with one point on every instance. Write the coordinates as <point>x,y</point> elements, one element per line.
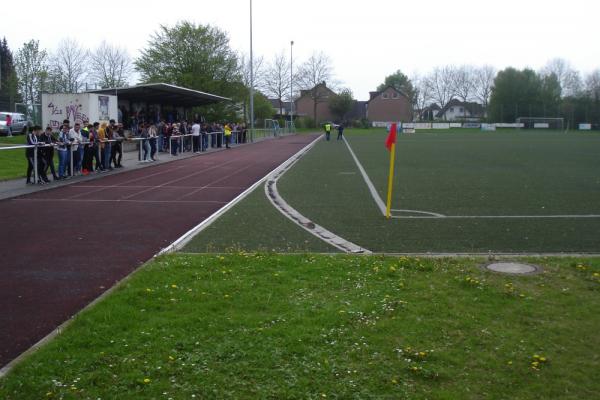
<point>390,181</point>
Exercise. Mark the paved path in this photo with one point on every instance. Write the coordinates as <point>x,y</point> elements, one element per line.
<point>62,248</point>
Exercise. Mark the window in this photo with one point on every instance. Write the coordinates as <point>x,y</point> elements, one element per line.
<point>385,96</point>
<point>461,109</point>
<point>451,109</point>
<point>395,95</point>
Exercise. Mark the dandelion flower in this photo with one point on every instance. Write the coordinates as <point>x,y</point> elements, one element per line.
<point>146,380</point>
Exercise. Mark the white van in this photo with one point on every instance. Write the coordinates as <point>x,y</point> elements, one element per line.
<point>19,123</point>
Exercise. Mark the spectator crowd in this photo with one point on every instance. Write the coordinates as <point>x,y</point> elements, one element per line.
<point>86,148</point>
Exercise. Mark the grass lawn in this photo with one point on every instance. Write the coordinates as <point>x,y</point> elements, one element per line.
<point>13,163</point>
<point>305,326</point>
<point>456,173</point>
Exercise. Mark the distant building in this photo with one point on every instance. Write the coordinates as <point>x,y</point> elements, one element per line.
<point>389,105</point>
<point>305,103</point>
<point>457,110</point>
<point>429,113</point>
<point>283,111</point>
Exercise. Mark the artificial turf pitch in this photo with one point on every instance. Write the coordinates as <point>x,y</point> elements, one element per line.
<point>529,177</point>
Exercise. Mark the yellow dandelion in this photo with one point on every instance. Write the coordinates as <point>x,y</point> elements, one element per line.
<point>147,380</point>
<point>174,286</point>
<point>394,381</point>
<point>509,363</point>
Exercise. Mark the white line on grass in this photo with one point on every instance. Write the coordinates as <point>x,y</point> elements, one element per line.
<point>372,189</point>
<point>581,216</point>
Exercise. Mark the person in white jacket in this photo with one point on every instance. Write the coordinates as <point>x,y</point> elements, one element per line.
<point>77,151</point>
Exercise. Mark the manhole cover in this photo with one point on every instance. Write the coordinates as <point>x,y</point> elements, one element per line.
<point>512,268</point>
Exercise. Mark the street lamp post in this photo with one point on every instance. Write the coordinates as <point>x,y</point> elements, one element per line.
<point>291,85</point>
<point>251,81</point>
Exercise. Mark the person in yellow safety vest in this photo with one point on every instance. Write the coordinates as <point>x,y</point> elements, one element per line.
<point>227,130</point>
<point>327,130</point>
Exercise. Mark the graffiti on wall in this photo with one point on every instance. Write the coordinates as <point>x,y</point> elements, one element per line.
<point>72,112</point>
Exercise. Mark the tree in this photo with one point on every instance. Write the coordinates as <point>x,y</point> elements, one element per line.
<point>197,57</point>
<point>277,79</point>
<point>515,94</point>
<point>463,82</point>
<point>421,96</point>
<point>568,78</point>
<point>592,85</point>
<point>483,83</point>
<point>68,67</point>
<point>32,71</point>
<point>311,75</point>
<point>8,78</point>
<point>341,104</point>
<point>263,108</point>
<point>400,82</point>
<point>440,85</point>
<point>550,95</point>
<point>110,66</point>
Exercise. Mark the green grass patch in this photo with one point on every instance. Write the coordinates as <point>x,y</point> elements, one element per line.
<point>13,163</point>
<point>255,225</point>
<point>456,173</point>
<point>306,326</point>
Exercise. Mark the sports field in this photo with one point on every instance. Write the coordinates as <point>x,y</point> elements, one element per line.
<point>513,191</point>
<point>270,325</point>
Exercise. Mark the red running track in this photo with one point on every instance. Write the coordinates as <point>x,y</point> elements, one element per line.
<point>62,248</point>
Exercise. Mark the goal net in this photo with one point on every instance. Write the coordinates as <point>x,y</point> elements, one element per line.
<point>541,123</point>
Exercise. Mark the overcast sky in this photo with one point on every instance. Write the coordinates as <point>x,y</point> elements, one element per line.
<point>366,40</point>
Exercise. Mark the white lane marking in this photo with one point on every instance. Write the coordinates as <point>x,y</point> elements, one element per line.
<point>125,201</point>
<point>237,171</point>
<point>566,216</point>
<point>162,187</point>
<point>187,177</point>
<point>432,214</point>
<point>370,185</point>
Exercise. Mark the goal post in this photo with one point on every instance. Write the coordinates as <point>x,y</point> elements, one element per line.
<point>557,124</point>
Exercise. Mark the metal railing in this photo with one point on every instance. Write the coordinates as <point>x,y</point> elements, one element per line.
<point>207,140</point>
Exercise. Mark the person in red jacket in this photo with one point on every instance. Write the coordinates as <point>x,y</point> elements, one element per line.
<point>9,124</point>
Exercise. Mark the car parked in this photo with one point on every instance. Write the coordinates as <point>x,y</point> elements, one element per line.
<point>19,123</point>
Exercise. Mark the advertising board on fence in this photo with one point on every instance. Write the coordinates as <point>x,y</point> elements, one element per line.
<point>488,127</point>
<point>510,125</point>
<point>440,125</point>
<point>541,125</point>
<point>585,127</point>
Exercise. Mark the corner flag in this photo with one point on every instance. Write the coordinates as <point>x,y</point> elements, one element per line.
<point>390,143</point>
<point>391,138</point>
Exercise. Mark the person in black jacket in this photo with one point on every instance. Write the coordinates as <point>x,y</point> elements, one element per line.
<point>48,152</point>
<point>33,140</point>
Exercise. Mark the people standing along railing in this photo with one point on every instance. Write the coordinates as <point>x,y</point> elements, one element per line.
<point>80,147</point>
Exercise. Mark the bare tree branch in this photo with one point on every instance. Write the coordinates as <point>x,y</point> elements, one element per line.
<point>110,66</point>
<point>69,67</point>
<point>277,79</point>
<point>440,85</point>
<point>484,82</point>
